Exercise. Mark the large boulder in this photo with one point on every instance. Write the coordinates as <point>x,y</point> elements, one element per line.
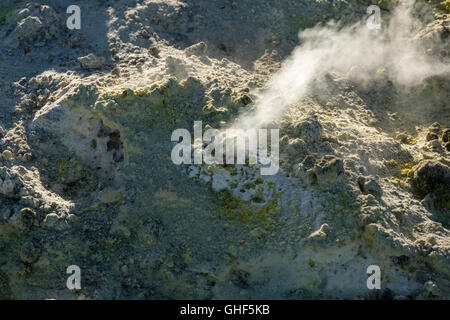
<point>431,176</point>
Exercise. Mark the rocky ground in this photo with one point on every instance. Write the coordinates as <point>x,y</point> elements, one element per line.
<point>86,176</point>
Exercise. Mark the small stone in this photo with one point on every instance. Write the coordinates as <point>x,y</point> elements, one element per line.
<point>310,129</point>
<point>154,51</point>
<point>402,137</point>
<point>431,290</point>
<point>219,180</point>
<point>446,135</point>
<point>31,251</point>
<point>28,28</point>
<point>193,171</point>
<point>7,155</point>
<point>373,187</point>
<point>24,219</point>
<point>51,220</point>
<point>447,146</point>
<point>431,240</point>
<point>428,201</point>
<point>435,127</point>
<point>111,196</point>
<point>320,233</point>
<point>205,177</point>
<point>309,162</point>
<point>91,61</point>
<point>431,136</point>
<point>429,175</point>
<point>435,146</point>
<point>329,167</point>
<point>7,186</point>
<point>197,49</point>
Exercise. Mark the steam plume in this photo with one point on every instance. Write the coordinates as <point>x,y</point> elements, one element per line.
<point>355,50</point>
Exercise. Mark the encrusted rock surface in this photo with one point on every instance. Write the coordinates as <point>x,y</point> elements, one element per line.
<point>86,177</point>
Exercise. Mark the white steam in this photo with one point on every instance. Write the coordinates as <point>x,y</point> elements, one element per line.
<point>357,51</point>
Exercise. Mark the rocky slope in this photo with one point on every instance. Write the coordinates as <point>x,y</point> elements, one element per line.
<point>86,176</point>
